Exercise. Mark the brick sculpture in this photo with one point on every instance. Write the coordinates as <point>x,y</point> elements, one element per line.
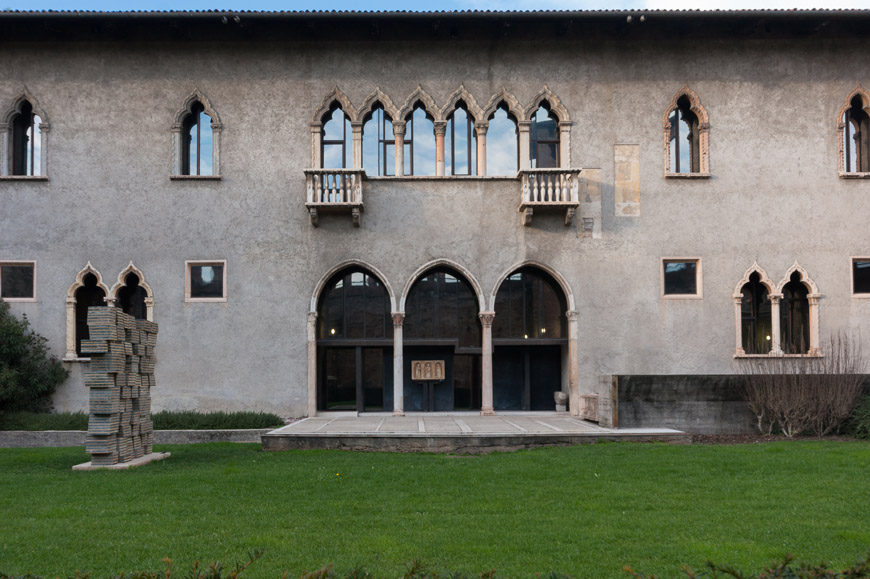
<point>120,379</point>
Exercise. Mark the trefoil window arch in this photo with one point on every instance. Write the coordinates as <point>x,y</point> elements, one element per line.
<point>336,140</point>
<point>460,142</point>
<point>23,140</point>
<point>378,143</point>
<point>686,136</point>
<point>196,140</point>
<point>419,144</point>
<point>502,142</point>
<point>544,138</point>
<point>86,291</point>
<point>854,135</point>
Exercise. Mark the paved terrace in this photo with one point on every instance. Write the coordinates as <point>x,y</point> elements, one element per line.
<point>454,432</point>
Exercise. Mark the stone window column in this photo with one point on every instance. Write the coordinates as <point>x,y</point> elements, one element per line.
<point>565,144</point>
<point>357,144</point>
<point>775,346</point>
<point>480,132</point>
<point>399,135</point>
<point>316,136</point>
<point>524,127</point>
<point>440,129</point>
<point>216,129</point>
<point>573,364</point>
<point>815,349</point>
<point>398,365</point>
<point>70,324</point>
<point>312,363</point>
<point>486,405</point>
<point>738,323</point>
<point>176,149</point>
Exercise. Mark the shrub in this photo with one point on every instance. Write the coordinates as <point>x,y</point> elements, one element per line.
<point>29,375</point>
<point>43,421</point>
<point>796,395</point>
<point>190,420</point>
<point>858,424</point>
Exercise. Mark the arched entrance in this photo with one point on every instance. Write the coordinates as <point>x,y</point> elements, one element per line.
<point>441,325</point>
<point>354,343</point>
<point>530,340</point>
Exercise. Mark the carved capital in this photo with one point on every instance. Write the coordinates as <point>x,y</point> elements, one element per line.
<point>398,319</point>
<point>481,127</point>
<point>813,299</point>
<point>486,318</point>
<point>440,127</point>
<point>312,318</point>
<point>399,128</point>
<point>774,298</point>
<point>357,126</point>
<point>572,315</point>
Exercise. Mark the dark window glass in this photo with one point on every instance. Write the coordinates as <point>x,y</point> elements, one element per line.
<point>16,281</point>
<point>681,277</point>
<point>856,137</point>
<point>861,276</point>
<point>685,156</point>
<point>442,306</point>
<point>794,311</point>
<point>379,144</point>
<point>355,306</point>
<point>196,155</point>
<point>419,143</point>
<point>544,139</point>
<point>340,379</point>
<point>337,141</point>
<point>89,295</point>
<point>131,297</point>
<point>207,281</point>
<point>460,143</point>
<point>26,142</point>
<point>529,305</point>
<point>502,148</point>
<point>755,314</point>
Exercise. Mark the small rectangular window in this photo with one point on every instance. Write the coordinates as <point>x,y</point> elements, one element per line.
<point>681,277</point>
<point>861,276</point>
<point>18,280</point>
<point>205,281</point>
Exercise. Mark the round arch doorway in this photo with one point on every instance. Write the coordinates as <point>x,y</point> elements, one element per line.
<point>530,341</point>
<point>442,325</point>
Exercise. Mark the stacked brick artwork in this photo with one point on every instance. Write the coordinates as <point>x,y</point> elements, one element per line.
<point>120,379</point>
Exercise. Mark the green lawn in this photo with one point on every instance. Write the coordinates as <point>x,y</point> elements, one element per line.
<point>584,511</point>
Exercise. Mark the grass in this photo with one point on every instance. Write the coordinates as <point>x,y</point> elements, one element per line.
<point>585,511</point>
<point>162,420</point>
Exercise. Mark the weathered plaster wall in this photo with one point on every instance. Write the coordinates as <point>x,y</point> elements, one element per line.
<point>774,195</point>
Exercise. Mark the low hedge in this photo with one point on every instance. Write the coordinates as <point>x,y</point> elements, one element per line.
<point>162,420</point>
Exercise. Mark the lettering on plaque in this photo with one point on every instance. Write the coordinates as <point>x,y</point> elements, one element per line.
<point>427,370</point>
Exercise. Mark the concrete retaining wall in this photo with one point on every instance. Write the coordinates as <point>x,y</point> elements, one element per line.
<point>698,404</point>
<point>39,438</point>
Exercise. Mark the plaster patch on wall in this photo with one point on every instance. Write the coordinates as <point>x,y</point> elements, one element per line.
<point>590,203</point>
<point>626,180</point>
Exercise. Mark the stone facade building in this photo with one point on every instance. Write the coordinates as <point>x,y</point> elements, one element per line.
<point>620,205</point>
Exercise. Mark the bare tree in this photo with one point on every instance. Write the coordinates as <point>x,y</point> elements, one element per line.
<point>793,395</point>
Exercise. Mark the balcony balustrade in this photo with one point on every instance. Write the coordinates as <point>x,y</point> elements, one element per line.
<point>334,191</point>
<point>548,189</point>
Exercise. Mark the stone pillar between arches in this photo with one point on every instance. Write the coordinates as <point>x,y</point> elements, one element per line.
<point>486,399</point>
<point>398,365</point>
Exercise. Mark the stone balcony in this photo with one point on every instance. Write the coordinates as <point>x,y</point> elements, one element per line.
<point>550,190</point>
<point>334,191</point>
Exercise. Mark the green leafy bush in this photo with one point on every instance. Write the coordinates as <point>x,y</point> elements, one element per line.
<point>214,420</point>
<point>29,375</point>
<point>43,421</point>
<point>858,424</point>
